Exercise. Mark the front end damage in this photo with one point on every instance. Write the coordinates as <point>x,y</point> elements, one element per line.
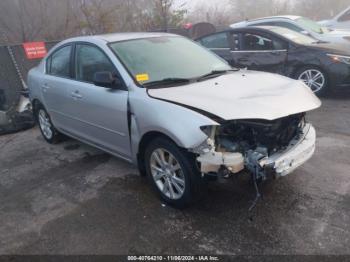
<point>267,149</point>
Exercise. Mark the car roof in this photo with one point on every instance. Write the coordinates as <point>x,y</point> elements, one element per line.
<point>274,29</point>
<point>118,37</point>
<point>282,17</point>
<point>289,17</point>
<point>243,28</point>
<point>265,28</point>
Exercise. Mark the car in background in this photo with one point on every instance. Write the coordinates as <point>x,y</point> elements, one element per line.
<point>340,21</point>
<point>321,65</point>
<point>301,25</point>
<point>168,105</point>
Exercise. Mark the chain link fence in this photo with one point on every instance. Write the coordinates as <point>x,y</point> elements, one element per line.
<point>10,84</point>
<point>14,68</point>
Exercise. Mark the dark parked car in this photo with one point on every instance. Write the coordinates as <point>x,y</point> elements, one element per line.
<point>321,65</point>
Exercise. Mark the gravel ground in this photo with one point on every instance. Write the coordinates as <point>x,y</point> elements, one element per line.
<point>73,199</point>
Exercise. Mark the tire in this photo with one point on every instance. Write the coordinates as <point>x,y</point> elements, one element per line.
<point>179,177</point>
<point>47,129</point>
<point>315,78</point>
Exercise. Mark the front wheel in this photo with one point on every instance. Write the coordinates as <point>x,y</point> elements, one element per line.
<point>315,79</point>
<point>173,173</point>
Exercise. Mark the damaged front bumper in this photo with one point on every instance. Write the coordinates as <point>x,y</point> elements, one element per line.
<point>279,164</point>
<point>297,153</point>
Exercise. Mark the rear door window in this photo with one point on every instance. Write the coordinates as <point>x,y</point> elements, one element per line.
<point>58,64</point>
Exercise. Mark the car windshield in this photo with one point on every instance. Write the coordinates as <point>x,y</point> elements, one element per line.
<point>295,36</point>
<point>311,25</point>
<point>167,57</point>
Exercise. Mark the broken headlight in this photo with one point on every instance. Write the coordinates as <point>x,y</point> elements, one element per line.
<point>208,130</point>
<point>209,144</point>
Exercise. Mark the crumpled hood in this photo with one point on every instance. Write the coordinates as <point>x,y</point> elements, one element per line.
<point>243,95</point>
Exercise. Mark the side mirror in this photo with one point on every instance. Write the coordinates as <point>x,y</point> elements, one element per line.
<point>106,79</point>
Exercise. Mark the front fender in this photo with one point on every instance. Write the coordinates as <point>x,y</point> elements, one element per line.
<point>179,123</point>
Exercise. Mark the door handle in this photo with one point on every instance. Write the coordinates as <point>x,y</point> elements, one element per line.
<point>76,95</point>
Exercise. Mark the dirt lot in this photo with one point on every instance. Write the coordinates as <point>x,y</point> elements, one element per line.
<point>73,199</point>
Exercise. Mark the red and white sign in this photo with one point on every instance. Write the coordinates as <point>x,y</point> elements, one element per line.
<point>35,50</point>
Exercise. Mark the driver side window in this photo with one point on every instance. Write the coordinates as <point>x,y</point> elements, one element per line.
<point>254,42</point>
<point>89,60</point>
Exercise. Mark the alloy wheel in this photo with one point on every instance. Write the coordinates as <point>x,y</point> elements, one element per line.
<point>167,174</point>
<point>314,79</point>
<point>45,124</point>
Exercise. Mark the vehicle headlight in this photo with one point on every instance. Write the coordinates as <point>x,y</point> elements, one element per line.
<point>208,130</point>
<point>340,58</point>
<point>209,143</point>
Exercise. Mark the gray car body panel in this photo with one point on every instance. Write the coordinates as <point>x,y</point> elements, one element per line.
<point>335,22</point>
<point>131,114</point>
<point>338,36</point>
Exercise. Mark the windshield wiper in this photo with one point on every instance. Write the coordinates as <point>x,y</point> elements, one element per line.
<point>167,81</point>
<point>215,73</point>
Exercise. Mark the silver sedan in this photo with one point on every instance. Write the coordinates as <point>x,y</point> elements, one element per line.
<point>173,108</point>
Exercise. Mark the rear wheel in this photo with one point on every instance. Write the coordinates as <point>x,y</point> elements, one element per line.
<point>49,132</point>
<point>315,79</point>
<point>172,173</point>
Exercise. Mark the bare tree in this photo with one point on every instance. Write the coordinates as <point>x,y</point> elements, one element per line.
<point>238,10</point>
<point>320,9</point>
<point>161,14</point>
<point>29,20</point>
<point>98,15</point>
<point>13,20</point>
<point>215,14</point>
<point>250,9</point>
<point>163,8</point>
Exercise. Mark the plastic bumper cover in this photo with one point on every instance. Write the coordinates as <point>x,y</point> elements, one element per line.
<point>298,152</point>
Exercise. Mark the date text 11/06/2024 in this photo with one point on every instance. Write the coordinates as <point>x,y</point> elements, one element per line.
<point>173,258</point>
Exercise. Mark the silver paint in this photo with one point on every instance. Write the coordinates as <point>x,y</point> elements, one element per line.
<point>117,120</point>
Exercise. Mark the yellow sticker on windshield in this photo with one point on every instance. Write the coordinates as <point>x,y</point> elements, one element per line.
<point>142,77</point>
